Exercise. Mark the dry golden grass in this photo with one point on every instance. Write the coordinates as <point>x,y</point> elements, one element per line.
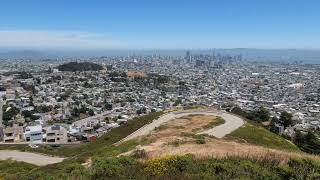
<point>172,130</point>
<point>220,149</point>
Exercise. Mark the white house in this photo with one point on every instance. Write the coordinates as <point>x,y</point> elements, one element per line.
<point>33,133</point>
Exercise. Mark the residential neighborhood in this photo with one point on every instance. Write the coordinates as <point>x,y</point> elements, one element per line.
<point>50,105</point>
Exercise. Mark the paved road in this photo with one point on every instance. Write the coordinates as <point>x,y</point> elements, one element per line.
<point>31,158</point>
<point>232,123</point>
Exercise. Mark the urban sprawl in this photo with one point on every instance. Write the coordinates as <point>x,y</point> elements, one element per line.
<point>45,102</point>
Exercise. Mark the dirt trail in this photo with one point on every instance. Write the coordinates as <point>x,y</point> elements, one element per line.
<point>31,158</point>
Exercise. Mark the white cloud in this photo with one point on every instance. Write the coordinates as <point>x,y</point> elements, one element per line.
<point>56,39</point>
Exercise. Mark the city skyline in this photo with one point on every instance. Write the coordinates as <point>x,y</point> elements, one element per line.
<point>159,25</point>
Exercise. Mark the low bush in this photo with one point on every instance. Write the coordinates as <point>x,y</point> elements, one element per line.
<point>109,167</point>
<point>139,153</point>
<point>200,141</point>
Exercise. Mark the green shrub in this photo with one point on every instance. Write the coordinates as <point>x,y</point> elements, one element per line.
<point>73,171</point>
<point>139,153</point>
<point>109,167</point>
<point>303,168</point>
<point>200,141</point>
<point>183,163</point>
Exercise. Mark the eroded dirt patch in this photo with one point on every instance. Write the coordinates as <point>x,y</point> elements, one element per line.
<point>187,124</point>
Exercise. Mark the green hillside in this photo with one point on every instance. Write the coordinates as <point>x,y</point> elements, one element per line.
<point>257,135</point>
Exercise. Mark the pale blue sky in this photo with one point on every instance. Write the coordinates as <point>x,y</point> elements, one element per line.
<point>160,24</point>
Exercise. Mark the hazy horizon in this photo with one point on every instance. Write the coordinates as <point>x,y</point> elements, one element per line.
<point>166,25</point>
<point>274,55</point>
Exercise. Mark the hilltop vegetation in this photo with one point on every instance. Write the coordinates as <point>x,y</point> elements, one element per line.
<point>171,167</point>
<point>80,66</point>
<point>254,134</point>
<point>308,142</point>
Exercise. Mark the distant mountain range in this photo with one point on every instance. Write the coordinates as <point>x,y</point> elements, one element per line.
<point>25,54</point>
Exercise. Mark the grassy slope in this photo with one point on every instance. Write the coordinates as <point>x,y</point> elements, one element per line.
<point>10,169</point>
<point>254,134</point>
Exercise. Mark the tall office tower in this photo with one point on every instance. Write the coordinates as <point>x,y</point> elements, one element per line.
<point>240,57</point>
<point>188,57</point>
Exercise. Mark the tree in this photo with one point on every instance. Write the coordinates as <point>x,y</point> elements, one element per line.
<point>139,111</point>
<point>130,99</point>
<point>286,119</point>
<point>81,66</point>
<point>108,106</point>
<point>2,88</point>
<point>9,112</point>
<point>97,126</point>
<point>308,143</point>
<point>43,109</point>
<point>144,110</point>
<point>273,123</point>
<point>299,138</point>
<point>237,110</point>
<point>177,102</point>
<point>91,112</point>
<point>163,94</point>
<point>75,112</point>
<point>24,75</point>
<point>262,114</point>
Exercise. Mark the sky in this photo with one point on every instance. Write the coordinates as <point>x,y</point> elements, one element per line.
<point>159,24</point>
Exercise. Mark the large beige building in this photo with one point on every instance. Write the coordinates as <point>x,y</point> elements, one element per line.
<point>56,134</point>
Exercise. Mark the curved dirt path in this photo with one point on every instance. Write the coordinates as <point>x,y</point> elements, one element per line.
<point>28,157</point>
<point>232,123</point>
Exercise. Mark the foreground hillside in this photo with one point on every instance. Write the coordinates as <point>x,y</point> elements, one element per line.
<point>171,167</point>
<point>175,150</point>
